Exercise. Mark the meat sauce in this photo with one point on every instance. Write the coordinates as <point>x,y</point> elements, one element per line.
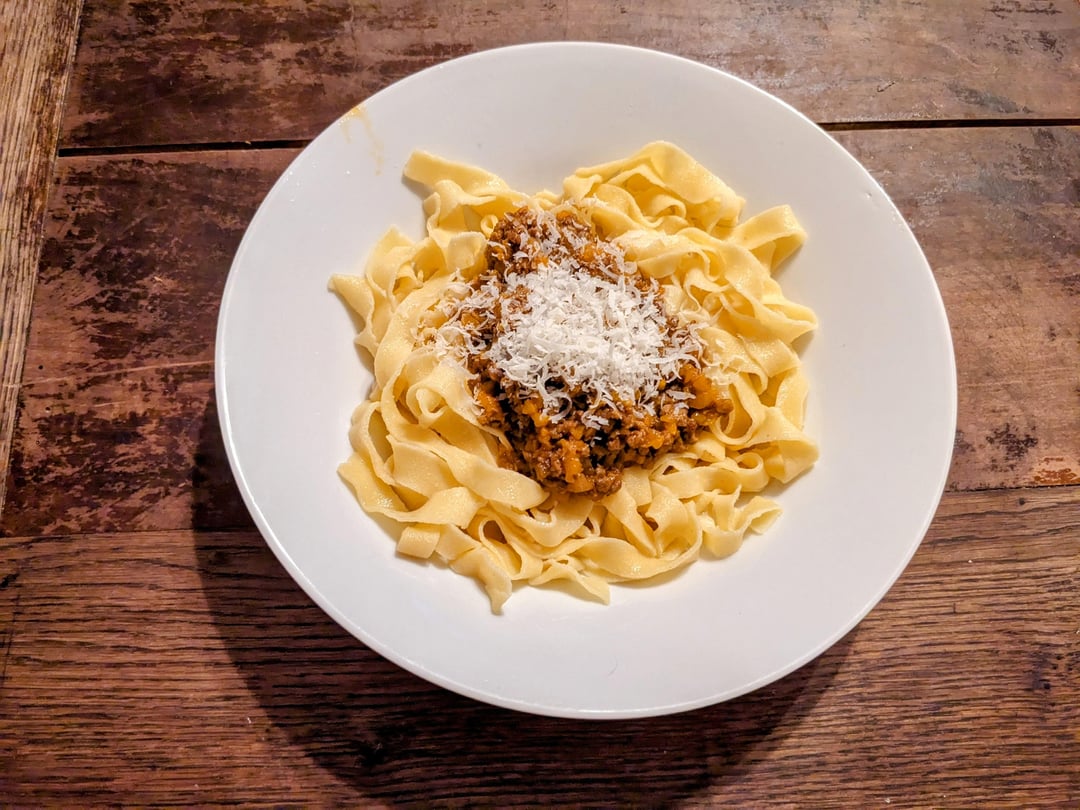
<point>584,445</point>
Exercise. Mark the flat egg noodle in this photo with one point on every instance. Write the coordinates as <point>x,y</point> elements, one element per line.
<point>421,458</point>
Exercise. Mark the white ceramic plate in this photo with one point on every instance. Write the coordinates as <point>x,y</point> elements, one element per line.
<point>882,403</point>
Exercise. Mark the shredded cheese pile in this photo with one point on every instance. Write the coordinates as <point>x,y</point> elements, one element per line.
<point>578,333</point>
<point>604,338</point>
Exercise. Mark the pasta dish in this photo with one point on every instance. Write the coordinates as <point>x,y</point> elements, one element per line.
<point>587,387</point>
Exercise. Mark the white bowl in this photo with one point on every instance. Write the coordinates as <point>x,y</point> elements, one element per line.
<point>881,370</point>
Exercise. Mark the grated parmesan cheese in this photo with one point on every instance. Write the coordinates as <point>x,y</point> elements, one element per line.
<point>566,331</point>
<point>601,337</point>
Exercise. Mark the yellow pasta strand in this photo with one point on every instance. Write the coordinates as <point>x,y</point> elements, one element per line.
<point>422,459</point>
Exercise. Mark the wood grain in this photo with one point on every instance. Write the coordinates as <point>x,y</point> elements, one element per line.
<point>127,451</point>
<point>136,256</point>
<point>184,668</point>
<point>999,221</point>
<point>37,44</point>
<point>154,652</point>
<point>118,373</point>
<point>209,71</point>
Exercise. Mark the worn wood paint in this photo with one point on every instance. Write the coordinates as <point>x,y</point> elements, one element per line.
<point>153,651</point>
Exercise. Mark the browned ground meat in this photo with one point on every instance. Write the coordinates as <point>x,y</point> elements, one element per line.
<point>578,453</point>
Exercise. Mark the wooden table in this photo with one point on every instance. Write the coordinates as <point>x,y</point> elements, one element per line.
<point>154,652</point>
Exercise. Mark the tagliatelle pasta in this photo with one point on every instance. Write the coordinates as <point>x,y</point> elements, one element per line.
<point>424,458</point>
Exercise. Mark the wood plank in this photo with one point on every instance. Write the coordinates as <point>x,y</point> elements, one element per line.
<point>211,70</point>
<point>138,249</point>
<point>1000,224</point>
<point>37,45</point>
<point>136,256</point>
<point>137,450</point>
<point>182,668</point>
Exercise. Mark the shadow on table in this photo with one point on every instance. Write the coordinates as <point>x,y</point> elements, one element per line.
<point>394,737</point>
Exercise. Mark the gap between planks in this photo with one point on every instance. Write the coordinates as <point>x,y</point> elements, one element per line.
<point>300,143</point>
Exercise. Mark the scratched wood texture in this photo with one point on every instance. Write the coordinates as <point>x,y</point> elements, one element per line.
<point>209,70</point>
<point>155,653</point>
<point>118,381</point>
<point>191,670</point>
<point>37,44</point>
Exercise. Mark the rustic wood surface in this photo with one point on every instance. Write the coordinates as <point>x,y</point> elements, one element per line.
<point>155,653</point>
<point>205,72</point>
<point>37,43</point>
<point>191,670</point>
